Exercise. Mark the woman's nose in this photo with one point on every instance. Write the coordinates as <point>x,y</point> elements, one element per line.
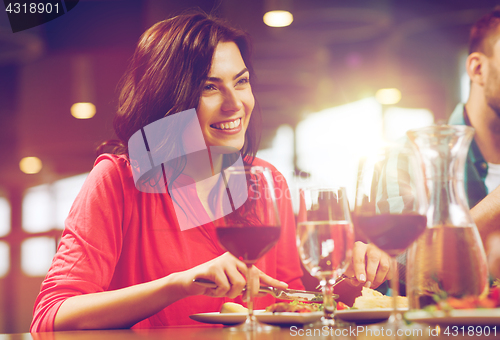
<point>231,101</point>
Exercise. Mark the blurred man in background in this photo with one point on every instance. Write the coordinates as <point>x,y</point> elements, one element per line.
<point>482,112</point>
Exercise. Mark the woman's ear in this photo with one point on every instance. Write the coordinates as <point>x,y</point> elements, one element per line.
<point>477,66</point>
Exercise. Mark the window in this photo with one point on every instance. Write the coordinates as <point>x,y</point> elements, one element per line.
<point>4,217</point>
<point>280,154</point>
<point>37,209</point>
<point>464,77</point>
<point>4,258</point>
<point>399,120</point>
<point>37,254</point>
<point>330,143</point>
<point>45,207</point>
<point>65,192</point>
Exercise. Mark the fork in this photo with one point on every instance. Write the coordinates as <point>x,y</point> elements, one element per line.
<point>340,279</point>
<point>283,294</point>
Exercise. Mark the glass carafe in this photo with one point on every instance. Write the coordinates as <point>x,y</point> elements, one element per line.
<point>448,259</point>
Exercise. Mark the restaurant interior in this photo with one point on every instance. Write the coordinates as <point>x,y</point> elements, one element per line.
<point>341,78</point>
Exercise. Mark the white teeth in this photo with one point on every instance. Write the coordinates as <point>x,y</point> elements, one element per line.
<point>226,126</point>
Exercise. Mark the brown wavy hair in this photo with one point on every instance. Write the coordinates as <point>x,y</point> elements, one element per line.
<point>167,73</point>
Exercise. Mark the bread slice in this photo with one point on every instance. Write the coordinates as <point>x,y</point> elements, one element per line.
<point>372,299</point>
<point>231,307</point>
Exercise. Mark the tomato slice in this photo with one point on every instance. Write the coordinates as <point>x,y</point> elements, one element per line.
<point>341,306</point>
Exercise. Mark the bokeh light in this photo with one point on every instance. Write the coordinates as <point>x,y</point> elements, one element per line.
<point>30,165</point>
<point>83,110</point>
<point>388,96</point>
<point>278,18</point>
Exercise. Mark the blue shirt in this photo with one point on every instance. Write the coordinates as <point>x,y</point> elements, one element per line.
<point>476,168</point>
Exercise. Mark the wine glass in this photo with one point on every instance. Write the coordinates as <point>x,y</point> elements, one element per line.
<point>253,226</point>
<point>325,239</point>
<point>390,207</point>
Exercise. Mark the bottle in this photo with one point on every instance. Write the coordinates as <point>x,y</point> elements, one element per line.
<point>448,259</point>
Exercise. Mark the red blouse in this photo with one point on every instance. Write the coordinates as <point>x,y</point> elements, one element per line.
<point>116,236</point>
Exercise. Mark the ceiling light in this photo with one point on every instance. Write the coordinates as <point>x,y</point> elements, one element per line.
<point>388,96</point>
<point>30,165</point>
<point>83,110</point>
<point>83,87</point>
<point>278,18</point>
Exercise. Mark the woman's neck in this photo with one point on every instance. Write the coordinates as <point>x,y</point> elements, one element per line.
<point>202,165</point>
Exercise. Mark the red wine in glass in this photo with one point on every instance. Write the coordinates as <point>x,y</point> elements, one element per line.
<point>253,226</point>
<point>392,233</point>
<point>391,206</point>
<point>248,243</point>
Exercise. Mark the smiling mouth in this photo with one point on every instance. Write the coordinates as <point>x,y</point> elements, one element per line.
<point>227,125</point>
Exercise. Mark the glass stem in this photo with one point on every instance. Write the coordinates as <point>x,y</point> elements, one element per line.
<point>328,302</point>
<point>249,295</point>
<point>396,318</point>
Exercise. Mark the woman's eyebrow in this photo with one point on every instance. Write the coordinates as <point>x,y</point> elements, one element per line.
<point>218,80</point>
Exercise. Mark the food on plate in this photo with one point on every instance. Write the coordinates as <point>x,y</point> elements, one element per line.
<point>231,307</point>
<point>468,302</point>
<point>300,307</point>
<point>281,307</point>
<point>371,299</point>
<point>342,306</point>
<point>294,307</point>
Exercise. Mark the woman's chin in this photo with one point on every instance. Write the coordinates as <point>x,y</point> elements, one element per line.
<point>225,149</point>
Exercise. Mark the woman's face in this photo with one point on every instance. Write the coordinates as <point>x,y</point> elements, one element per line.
<point>227,100</point>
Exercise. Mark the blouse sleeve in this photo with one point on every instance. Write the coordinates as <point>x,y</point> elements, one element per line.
<point>90,245</point>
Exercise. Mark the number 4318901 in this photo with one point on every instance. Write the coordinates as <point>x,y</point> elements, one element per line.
<point>470,331</point>
<point>32,8</point>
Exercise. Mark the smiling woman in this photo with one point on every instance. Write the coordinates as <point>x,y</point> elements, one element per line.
<point>227,101</point>
<point>123,260</point>
<point>194,61</point>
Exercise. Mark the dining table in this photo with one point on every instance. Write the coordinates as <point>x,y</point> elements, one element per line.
<point>413,331</point>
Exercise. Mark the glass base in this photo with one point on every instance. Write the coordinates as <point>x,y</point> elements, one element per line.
<point>395,322</point>
<point>400,329</point>
<point>253,326</point>
<point>333,323</point>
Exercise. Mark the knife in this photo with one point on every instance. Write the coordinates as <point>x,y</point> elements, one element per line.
<point>283,294</point>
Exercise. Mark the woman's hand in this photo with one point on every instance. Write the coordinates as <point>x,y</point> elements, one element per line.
<point>229,274</point>
<point>370,266</point>
<point>492,248</point>
<point>123,308</point>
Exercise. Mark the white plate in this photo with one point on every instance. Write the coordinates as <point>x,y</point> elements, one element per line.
<point>457,317</point>
<point>287,319</point>
<point>280,319</point>
<point>365,315</point>
<point>220,318</point>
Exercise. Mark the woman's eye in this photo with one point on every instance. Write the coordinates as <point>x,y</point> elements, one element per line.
<point>209,87</point>
<point>243,81</point>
